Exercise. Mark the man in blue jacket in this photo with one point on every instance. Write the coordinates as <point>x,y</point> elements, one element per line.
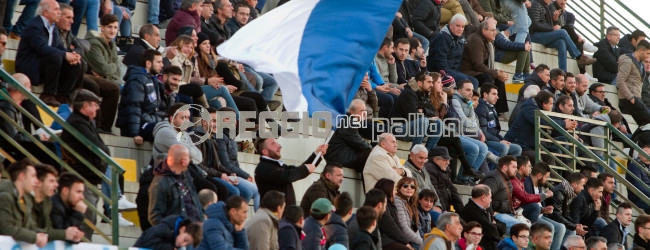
<point>446,50</point>
<point>172,233</point>
<point>488,120</point>
<point>636,170</point>
<point>224,228</point>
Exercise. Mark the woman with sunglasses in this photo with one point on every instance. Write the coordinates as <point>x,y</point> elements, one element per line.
<point>406,203</point>
<point>471,236</point>
<point>392,237</point>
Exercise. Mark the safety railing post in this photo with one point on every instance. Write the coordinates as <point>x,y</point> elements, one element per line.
<point>115,224</point>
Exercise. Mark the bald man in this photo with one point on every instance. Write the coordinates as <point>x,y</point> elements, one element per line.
<point>9,126</point>
<point>43,58</point>
<point>173,180</point>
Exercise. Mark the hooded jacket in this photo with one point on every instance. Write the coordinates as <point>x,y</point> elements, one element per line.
<point>166,195</point>
<point>446,51</point>
<point>507,244</point>
<point>336,231</point>
<point>436,239</point>
<point>219,232</point>
<point>165,135</point>
<point>289,235</point>
<point>161,236</point>
<point>142,102</point>
<point>606,66</point>
<point>625,45</point>
<point>102,57</point>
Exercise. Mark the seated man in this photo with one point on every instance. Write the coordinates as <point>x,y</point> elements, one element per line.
<point>446,232</point>
<point>543,30</point>
<point>173,180</point>
<point>15,117</point>
<point>597,94</point>
<point>613,117</point>
<point>596,242</point>
<point>262,227</point>
<point>222,14</point>
<point>67,208</point>
<point>566,21</point>
<point>437,166</point>
<point>148,38</point>
<point>173,232</point>
<point>519,236</point>
<point>224,228</point>
<point>142,104</point>
<point>541,236</point>
<point>540,77</point>
<point>630,81</point>
<point>327,186</point>
<point>570,90</point>
<point>446,50</point>
<point>556,83</point>
<point>585,207</point>
<point>411,111</point>
<point>384,163</point>
<point>479,57</point>
<point>479,209</point>
<point>346,145</point>
<point>641,239</point>
<point>42,57</point>
<point>606,66</point>
<point>529,202</point>
<point>488,120</point>
<point>628,43</point>
<point>635,170</point>
<point>188,15</point>
<point>67,227</point>
<point>15,216</point>
<point>508,51</point>
<point>407,68</point>
<point>499,182</point>
<point>375,199</point>
<point>242,13</point>
<point>616,231</point>
<point>102,57</point>
<point>385,62</point>
<point>585,105</point>
<point>272,173</point>
<point>520,21</point>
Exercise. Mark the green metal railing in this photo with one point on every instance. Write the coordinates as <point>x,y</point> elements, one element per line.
<point>594,16</point>
<point>116,170</point>
<point>576,153</point>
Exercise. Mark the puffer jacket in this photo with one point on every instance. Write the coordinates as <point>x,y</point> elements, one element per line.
<point>219,232</point>
<point>102,57</point>
<point>522,130</point>
<point>532,79</point>
<point>336,231</point>
<point>162,236</point>
<point>560,202</point>
<point>446,51</point>
<point>625,45</point>
<point>540,16</point>
<point>501,188</point>
<point>142,102</point>
<point>447,193</point>
<point>507,244</point>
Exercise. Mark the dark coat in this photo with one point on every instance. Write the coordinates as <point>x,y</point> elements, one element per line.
<point>425,17</point>
<point>540,16</point>
<point>476,56</point>
<point>336,231</point>
<point>209,28</point>
<point>491,234</point>
<point>407,69</point>
<point>447,192</point>
<point>612,232</point>
<point>532,79</point>
<point>582,209</point>
<point>228,154</point>
<point>181,19</point>
<point>408,103</point>
<point>63,216</point>
<point>233,25</point>
<point>639,242</point>
<point>345,145</point>
<point>166,197</point>
<point>501,188</point>
<point>313,234</point>
<point>270,175</point>
<point>560,202</point>
<point>142,200</point>
<point>6,126</point>
<point>42,217</point>
<point>86,127</point>
<point>363,241</point>
<point>606,66</point>
<point>322,188</point>
<point>143,102</point>
<point>522,131</point>
<point>134,55</point>
<point>624,45</point>
<point>635,170</point>
<point>33,47</point>
<point>446,51</point>
<point>219,232</point>
<point>390,230</point>
<point>353,230</point>
<point>488,120</point>
<point>161,236</point>
<point>288,236</point>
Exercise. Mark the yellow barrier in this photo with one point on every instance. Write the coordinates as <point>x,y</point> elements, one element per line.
<point>130,168</point>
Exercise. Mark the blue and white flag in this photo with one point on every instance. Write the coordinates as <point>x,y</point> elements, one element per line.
<point>317,50</point>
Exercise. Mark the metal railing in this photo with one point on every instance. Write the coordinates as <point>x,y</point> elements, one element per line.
<point>594,16</point>
<point>576,153</point>
<point>116,170</point>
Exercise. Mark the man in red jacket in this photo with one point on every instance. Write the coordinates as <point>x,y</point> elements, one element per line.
<point>529,202</point>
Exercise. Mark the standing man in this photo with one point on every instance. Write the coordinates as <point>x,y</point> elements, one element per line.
<point>272,174</point>
<point>42,57</point>
<point>630,81</point>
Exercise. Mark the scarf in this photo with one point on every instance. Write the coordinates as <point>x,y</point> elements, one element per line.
<point>569,190</point>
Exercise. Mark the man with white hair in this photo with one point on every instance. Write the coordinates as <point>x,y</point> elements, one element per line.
<point>42,57</point>
<point>574,242</point>
<point>530,91</point>
<point>346,146</point>
<point>383,162</point>
<point>446,50</point>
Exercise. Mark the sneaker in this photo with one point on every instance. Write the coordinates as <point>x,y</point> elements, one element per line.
<point>518,78</point>
<point>584,61</point>
<point>589,47</point>
<point>124,205</point>
<point>124,222</point>
<point>492,158</point>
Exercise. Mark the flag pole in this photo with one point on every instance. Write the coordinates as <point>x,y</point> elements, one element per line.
<point>327,140</point>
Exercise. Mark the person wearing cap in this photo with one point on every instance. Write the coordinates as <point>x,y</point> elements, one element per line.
<point>438,168</point>
<point>84,109</point>
<point>313,229</point>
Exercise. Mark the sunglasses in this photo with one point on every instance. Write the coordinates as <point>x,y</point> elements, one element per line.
<point>412,186</point>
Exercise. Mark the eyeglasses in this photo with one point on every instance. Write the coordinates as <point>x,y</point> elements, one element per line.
<point>443,159</point>
<point>4,43</point>
<point>475,234</point>
<point>408,186</point>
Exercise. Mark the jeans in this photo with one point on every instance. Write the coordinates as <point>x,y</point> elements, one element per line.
<point>153,10</point>
<point>519,17</point>
<point>459,76</point>
<point>595,228</point>
<point>531,211</point>
<point>507,219</point>
<point>269,86</point>
<point>89,9</point>
<point>211,94</point>
<point>514,149</point>
<point>559,231</point>
<point>424,41</point>
<point>125,24</point>
<point>415,132</point>
<point>475,151</point>
<point>560,40</point>
<point>29,12</point>
<point>106,190</point>
<point>385,101</point>
<point>244,188</point>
